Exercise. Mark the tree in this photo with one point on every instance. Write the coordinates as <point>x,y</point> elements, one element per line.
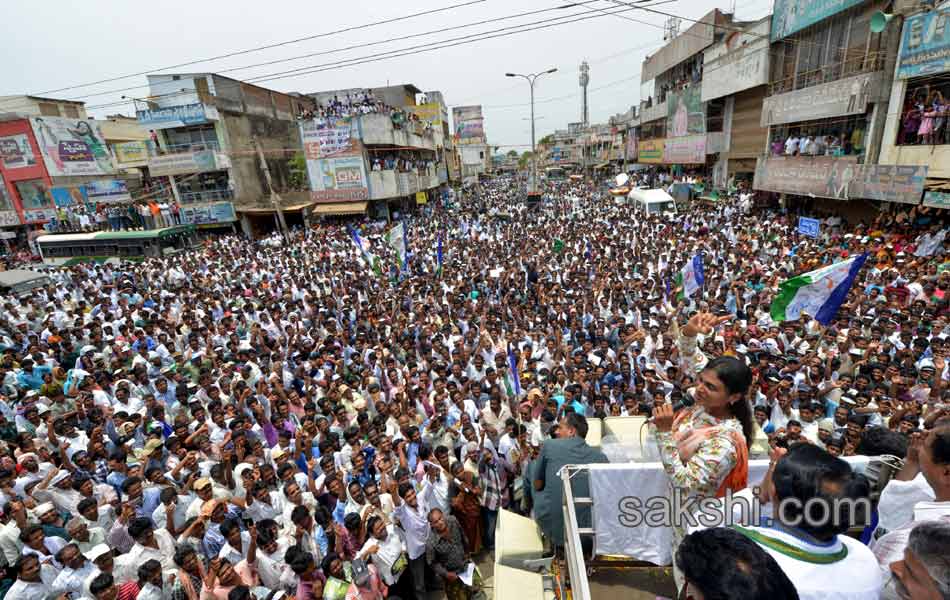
<point>298,172</point>
<point>548,139</point>
<point>525,159</point>
<point>513,154</point>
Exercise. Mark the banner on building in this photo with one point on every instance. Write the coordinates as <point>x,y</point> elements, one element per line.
<point>338,179</point>
<point>72,146</point>
<point>685,150</point>
<point>207,214</point>
<point>323,138</point>
<point>632,146</point>
<point>107,191</point>
<point>651,151</point>
<point>72,195</point>
<point>431,112</point>
<point>469,124</point>
<point>685,114</point>
<point>925,45</point>
<point>182,163</point>
<point>840,178</point>
<point>16,151</point>
<point>738,63</point>
<point>843,97</point>
<point>790,16</point>
<point>9,218</point>
<point>176,116</point>
<point>132,153</point>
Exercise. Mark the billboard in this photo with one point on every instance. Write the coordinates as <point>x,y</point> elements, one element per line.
<point>739,62</point>
<point>207,214</point>
<point>925,45</point>
<point>176,116</point>
<point>72,146</point>
<point>685,114</point>
<point>16,151</point>
<point>107,190</point>
<point>469,124</point>
<point>631,150</point>
<point>685,150</point>
<point>127,153</point>
<point>790,16</point>
<point>840,178</point>
<point>338,179</point>
<point>843,97</point>
<point>937,199</point>
<point>182,163</point>
<point>431,112</point>
<point>326,137</point>
<point>651,151</point>
<point>72,195</point>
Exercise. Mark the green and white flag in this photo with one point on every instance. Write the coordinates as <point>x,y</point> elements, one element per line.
<point>818,293</point>
<point>396,239</point>
<point>690,278</point>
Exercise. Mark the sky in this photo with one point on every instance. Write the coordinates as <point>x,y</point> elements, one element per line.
<point>108,39</point>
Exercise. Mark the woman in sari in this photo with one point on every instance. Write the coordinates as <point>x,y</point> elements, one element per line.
<point>466,504</point>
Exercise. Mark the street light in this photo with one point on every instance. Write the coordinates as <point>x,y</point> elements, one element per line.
<point>531,78</point>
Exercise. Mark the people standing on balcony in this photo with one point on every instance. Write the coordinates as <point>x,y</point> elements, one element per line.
<point>926,129</point>
<point>792,144</point>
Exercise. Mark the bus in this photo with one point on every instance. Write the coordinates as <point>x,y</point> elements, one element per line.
<point>554,173</point>
<point>66,249</point>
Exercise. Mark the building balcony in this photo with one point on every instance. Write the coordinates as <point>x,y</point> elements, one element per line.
<point>192,147</point>
<point>652,113</point>
<point>378,129</point>
<point>215,195</point>
<point>394,184</point>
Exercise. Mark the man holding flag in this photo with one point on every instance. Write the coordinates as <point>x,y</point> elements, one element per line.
<point>819,293</point>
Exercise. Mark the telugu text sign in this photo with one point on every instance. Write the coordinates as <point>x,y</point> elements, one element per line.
<point>685,150</point>
<point>844,97</point>
<point>738,63</point>
<point>840,178</point>
<point>129,153</point>
<point>338,179</point>
<point>72,146</point>
<point>925,45</point>
<point>175,116</point>
<point>789,16</point>
<point>326,137</point>
<point>181,163</point>
<point>651,151</point>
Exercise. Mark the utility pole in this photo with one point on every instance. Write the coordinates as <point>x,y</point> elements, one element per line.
<point>274,197</point>
<point>533,181</point>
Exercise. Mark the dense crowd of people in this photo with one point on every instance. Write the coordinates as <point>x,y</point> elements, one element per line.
<point>274,419</point>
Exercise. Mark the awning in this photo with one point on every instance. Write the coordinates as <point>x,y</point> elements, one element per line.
<point>340,208</point>
<point>602,165</point>
<point>261,210</point>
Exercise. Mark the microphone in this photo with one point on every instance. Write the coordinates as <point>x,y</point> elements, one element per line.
<point>685,402</point>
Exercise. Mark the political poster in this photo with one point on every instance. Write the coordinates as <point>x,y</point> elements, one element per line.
<point>16,151</point>
<point>326,137</point>
<point>72,146</point>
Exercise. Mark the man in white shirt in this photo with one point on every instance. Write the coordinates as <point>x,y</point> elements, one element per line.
<point>149,544</point>
<point>791,145</point>
<point>75,571</point>
<point>412,510</point>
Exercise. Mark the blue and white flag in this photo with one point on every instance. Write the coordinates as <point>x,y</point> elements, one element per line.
<point>438,251</point>
<point>818,293</point>
<point>372,260</point>
<point>691,278</point>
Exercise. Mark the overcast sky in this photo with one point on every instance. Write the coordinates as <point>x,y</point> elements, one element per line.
<point>103,39</point>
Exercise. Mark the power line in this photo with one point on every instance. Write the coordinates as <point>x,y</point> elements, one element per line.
<point>411,50</point>
<point>269,46</point>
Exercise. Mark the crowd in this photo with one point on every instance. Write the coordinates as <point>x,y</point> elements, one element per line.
<point>266,420</point>
<point>151,213</point>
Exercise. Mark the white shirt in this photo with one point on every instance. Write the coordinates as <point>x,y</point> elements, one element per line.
<point>388,553</point>
<point>854,577</point>
<point>415,521</point>
<point>127,565</point>
<point>69,581</point>
<point>21,590</point>
<point>898,498</point>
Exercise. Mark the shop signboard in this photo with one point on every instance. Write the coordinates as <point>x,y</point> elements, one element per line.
<point>182,163</point>
<point>685,150</point>
<point>739,62</point>
<point>651,151</point>
<point>685,114</point>
<point>326,137</point>
<point>790,16</point>
<point>205,214</point>
<point>421,198</point>
<point>131,153</point>
<point>16,151</point>
<point>72,146</point>
<point>937,199</point>
<point>176,116</point>
<point>338,179</point>
<point>840,178</point>
<point>925,45</point>
<point>431,112</point>
<point>848,96</point>
<point>39,214</point>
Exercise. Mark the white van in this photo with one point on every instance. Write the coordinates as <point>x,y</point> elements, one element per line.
<point>652,202</point>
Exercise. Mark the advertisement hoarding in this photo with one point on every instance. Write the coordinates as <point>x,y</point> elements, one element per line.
<point>131,153</point>
<point>469,124</point>
<point>685,150</point>
<point>685,114</point>
<point>207,214</point>
<point>326,137</point>
<point>790,16</point>
<point>107,190</point>
<point>16,151</point>
<point>844,97</point>
<point>182,163</point>
<point>338,179</point>
<point>632,146</point>
<point>840,179</point>
<point>925,45</point>
<point>740,62</point>
<point>176,116</point>
<point>431,112</point>
<point>651,151</point>
<point>72,146</point>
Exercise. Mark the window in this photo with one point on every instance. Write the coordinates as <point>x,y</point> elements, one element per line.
<point>924,112</point>
<point>5,203</point>
<point>48,109</point>
<point>33,194</point>
<point>839,136</point>
<point>71,111</point>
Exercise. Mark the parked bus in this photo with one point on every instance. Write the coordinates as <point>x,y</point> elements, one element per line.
<point>554,173</point>
<point>114,246</point>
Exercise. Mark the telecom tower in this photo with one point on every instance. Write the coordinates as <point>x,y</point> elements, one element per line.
<point>584,79</point>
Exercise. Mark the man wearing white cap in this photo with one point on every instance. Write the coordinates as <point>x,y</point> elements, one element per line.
<point>57,488</point>
<point>101,557</point>
<point>76,569</point>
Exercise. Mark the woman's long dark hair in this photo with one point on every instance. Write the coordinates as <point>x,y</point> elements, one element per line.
<point>737,377</point>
